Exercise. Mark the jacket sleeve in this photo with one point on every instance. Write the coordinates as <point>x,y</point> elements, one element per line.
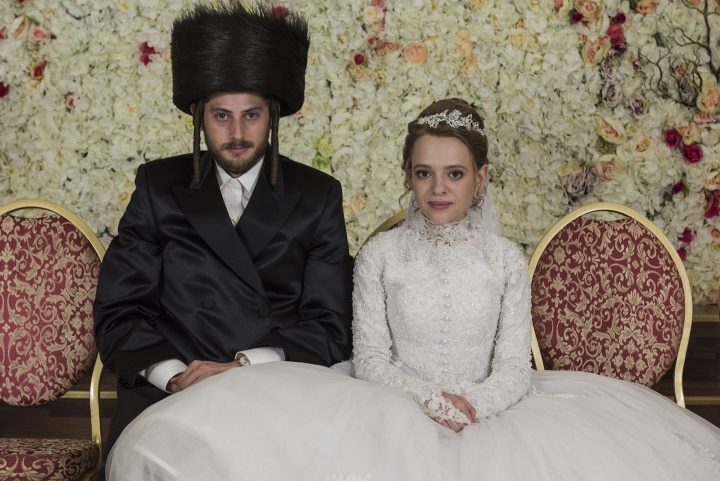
<point>509,378</point>
<point>127,300</point>
<point>373,342</point>
<point>322,333</point>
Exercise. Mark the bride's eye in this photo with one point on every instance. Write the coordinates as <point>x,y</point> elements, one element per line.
<point>456,174</point>
<point>422,173</point>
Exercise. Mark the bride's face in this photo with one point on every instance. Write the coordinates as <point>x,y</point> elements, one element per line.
<point>444,178</point>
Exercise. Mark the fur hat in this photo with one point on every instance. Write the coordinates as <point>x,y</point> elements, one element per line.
<point>229,48</point>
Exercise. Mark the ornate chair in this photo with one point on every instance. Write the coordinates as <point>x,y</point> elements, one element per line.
<point>48,274</point>
<point>610,295</point>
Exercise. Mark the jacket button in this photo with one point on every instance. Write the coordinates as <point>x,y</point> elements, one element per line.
<point>207,303</point>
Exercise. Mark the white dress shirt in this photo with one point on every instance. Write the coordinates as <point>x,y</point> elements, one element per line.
<point>236,193</point>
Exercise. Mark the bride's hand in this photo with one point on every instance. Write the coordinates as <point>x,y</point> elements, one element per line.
<point>462,405</point>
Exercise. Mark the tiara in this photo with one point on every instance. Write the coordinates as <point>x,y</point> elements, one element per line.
<point>453,119</point>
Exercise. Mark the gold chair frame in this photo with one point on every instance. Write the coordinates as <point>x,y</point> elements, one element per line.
<point>93,394</point>
<point>653,229</point>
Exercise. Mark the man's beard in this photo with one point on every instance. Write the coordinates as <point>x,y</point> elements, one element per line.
<point>236,166</point>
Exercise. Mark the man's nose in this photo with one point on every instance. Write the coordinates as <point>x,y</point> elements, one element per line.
<point>238,129</point>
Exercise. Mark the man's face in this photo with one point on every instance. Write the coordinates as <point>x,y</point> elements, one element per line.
<point>236,127</point>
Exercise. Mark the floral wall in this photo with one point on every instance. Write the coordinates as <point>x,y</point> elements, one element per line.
<point>584,100</point>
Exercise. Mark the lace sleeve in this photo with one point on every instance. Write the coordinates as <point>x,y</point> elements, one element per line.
<point>509,378</point>
<point>372,340</point>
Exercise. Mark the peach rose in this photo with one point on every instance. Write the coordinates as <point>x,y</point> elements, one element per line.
<point>646,6</point>
<point>715,233</point>
<point>39,35</point>
<point>19,27</point>
<point>713,181</point>
<point>610,167</point>
<point>385,48</point>
<point>591,10</point>
<point>703,118</point>
<point>643,143</point>
<point>610,130</point>
<point>595,52</point>
<point>415,53</point>
<point>690,133</point>
<point>709,99</point>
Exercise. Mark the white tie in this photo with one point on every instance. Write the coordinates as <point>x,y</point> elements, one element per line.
<point>235,200</point>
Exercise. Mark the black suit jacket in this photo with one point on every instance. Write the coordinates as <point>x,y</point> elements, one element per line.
<point>179,281</point>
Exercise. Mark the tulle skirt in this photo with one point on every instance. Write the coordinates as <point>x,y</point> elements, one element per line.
<point>290,421</point>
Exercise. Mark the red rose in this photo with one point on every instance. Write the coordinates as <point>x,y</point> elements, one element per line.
<point>692,153</point>
<point>618,19</point>
<point>687,236</point>
<point>359,59</point>
<point>616,34</point>
<point>712,204</point>
<point>678,187</point>
<point>682,253</point>
<point>576,17</point>
<point>279,11</point>
<point>4,89</point>
<point>673,138</point>
<point>145,51</point>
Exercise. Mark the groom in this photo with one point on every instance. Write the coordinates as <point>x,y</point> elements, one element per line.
<point>234,256</point>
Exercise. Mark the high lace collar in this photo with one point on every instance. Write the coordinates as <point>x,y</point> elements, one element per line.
<point>450,233</point>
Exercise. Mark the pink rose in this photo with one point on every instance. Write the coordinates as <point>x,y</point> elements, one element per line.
<point>687,236</point>
<point>385,47</point>
<point>709,99</point>
<point>4,89</point>
<point>39,35</point>
<point>37,70</point>
<point>672,138</point>
<point>70,100</point>
<point>415,53</point>
<point>692,153</point>
<point>378,3</point>
<point>595,52</point>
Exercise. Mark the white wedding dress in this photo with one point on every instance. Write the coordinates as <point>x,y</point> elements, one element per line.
<point>437,308</point>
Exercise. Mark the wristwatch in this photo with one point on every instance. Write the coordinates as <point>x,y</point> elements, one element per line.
<point>241,359</point>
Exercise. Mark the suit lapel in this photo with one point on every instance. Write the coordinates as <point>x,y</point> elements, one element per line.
<point>205,209</point>
<point>265,214</point>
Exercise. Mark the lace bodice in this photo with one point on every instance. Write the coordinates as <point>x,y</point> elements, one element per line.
<point>444,308</point>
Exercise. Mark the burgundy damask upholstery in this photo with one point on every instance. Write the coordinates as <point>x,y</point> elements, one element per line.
<point>46,459</point>
<point>607,298</point>
<point>48,275</point>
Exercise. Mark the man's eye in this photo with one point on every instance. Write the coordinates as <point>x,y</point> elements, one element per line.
<point>251,115</point>
<point>221,116</point>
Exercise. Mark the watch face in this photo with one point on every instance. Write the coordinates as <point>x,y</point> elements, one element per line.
<point>242,360</point>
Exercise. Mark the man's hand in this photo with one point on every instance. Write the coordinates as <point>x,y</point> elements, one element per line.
<point>197,371</point>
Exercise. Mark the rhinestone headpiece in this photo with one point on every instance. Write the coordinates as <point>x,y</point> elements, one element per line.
<point>453,119</point>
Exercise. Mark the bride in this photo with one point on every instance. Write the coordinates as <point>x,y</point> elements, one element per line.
<point>443,387</point>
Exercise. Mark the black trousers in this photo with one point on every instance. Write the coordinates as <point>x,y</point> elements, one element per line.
<point>130,403</point>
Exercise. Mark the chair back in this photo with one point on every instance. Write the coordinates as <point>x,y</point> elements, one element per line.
<point>610,296</point>
<point>49,265</point>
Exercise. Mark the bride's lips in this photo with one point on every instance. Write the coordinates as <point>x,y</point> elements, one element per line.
<point>439,205</point>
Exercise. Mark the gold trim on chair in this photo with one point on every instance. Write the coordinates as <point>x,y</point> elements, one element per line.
<point>653,229</point>
<point>94,393</point>
<point>391,222</point>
